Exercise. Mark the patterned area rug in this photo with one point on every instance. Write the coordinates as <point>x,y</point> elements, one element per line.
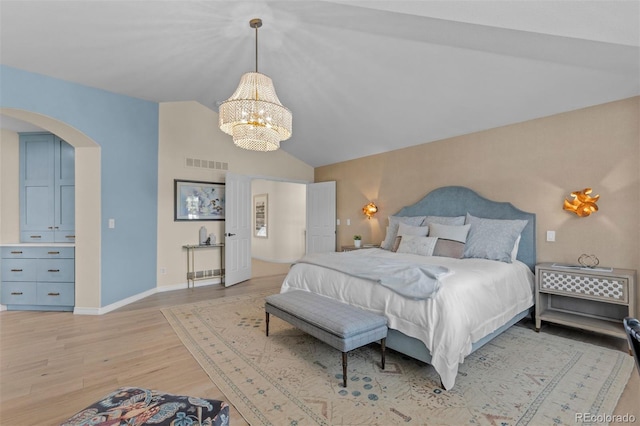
<point>289,378</point>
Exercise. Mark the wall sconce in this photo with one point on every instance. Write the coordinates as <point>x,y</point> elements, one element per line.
<point>582,204</point>
<point>369,210</point>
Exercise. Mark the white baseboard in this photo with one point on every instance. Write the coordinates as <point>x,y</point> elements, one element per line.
<point>119,304</point>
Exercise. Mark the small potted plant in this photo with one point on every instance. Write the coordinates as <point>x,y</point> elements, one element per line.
<point>357,240</point>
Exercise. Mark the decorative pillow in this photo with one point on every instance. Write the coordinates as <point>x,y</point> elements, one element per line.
<point>415,244</point>
<point>396,244</point>
<point>392,230</point>
<point>492,239</point>
<point>449,232</point>
<point>445,220</point>
<point>404,229</point>
<point>449,248</point>
<point>514,252</point>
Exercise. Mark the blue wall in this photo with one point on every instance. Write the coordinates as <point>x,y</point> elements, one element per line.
<point>127,131</point>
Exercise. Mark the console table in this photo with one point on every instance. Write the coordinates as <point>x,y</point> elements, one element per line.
<point>192,274</point>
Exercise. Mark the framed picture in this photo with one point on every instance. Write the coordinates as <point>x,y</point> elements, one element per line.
<point>195,200</point>
<point>260,209</point>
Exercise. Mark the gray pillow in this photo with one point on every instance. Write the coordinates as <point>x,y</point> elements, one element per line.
<point>492,239</point>
<point>449,248</point>
<point>392,230</point>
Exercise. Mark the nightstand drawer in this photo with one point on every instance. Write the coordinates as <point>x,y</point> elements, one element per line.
<point>605,288</point>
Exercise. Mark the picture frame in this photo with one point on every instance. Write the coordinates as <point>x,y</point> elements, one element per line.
<point>260,216</point>
<point>198,200</point>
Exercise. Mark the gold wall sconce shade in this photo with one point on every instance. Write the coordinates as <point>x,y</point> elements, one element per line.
<point>254,115</point>
<point>582,204</point>
<point>369,210</point>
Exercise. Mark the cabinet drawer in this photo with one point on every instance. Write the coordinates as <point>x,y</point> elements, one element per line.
<point>64,237</point>
<point>19,293</point>
<point>56,252</point>
<point>56,270</point>
<point>36,237</point>
<point>19,269</point>
<point>19,252</point>
<point>609,289</point>
<point>56,294</point>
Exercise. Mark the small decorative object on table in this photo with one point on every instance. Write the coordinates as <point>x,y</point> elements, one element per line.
<point>588,260</point>
<point>357,240</point>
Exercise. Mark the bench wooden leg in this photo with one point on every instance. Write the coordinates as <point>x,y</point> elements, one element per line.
<point>267,322</point>
<point>344,369</point>
<point>383,343</point>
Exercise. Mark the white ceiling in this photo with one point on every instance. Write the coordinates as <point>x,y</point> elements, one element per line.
<point>361,77</point>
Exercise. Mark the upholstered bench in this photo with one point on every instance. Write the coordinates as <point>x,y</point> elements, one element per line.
<point>139,406</point>
<point>337,324</point>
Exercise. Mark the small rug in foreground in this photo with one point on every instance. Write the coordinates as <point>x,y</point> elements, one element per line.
<point>289,378</point>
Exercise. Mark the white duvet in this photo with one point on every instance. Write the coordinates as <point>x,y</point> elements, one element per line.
<point>478,297</point>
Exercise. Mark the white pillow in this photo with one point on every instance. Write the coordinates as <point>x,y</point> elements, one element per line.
<point>449,232</point>
<point>414,244</point>
<point>392,230</point>
<point>514,252</point>
<point>404,229</point>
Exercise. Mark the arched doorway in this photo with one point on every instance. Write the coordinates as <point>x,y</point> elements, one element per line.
<point>87,207</point>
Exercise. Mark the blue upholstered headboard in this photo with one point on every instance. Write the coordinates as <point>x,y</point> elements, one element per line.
<point>458,200</point>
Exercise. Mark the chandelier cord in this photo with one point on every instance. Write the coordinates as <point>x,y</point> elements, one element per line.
<point>256,48</point>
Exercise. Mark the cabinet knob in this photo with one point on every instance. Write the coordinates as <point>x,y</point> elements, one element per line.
<point>53,252</point>
<point>16,270</point>
<point>53,294</point>
<point>16,252</point>
<point>53,270</point>
<point>70,236</point>
<point>35,236</point>
<point>16,293</point>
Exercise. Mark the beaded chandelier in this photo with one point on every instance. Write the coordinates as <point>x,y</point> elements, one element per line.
<point>253,115</point>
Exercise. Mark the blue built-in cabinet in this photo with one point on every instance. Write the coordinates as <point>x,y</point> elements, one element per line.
<point>47,189</point>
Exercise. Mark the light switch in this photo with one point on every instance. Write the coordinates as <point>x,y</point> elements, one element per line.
<point>338,222</point>
<point>112,223</point>
<point>551,236</point>
<point>348,222</point>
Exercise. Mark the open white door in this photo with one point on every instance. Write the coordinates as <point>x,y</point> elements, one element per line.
<point>237,238</point>
<point>321,217</point>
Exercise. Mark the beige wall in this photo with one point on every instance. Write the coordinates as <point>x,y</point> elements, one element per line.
<point>286,221</point>
<point>9,176</point>
<point>189,129</point>
<point>534,165</point>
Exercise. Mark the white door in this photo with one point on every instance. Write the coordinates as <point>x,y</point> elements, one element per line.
<point>237,238</point>
<point>321,217</point>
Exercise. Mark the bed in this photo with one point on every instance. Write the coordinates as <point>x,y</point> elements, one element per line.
<point>458,304</point>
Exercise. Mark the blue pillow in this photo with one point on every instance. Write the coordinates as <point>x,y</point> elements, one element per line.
<point>492,239</point>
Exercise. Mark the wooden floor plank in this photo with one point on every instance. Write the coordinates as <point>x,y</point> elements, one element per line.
<point>53,364</point>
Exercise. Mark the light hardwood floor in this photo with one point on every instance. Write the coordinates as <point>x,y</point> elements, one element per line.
<point>54,364</point>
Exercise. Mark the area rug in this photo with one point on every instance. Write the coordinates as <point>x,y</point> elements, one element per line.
<point>289,378</point>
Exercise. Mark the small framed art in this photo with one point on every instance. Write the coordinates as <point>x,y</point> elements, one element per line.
<point>197,200</point>
<point>260,213</point>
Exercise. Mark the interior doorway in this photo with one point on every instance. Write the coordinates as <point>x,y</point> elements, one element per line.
<point>278,213</point>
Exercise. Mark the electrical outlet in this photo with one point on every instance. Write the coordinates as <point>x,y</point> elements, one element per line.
<point>551,236</point>
<point>163,271</point>
<point>112,223</point>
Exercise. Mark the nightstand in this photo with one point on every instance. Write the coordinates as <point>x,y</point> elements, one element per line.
<point>589,299</point>
<point>364,246</point>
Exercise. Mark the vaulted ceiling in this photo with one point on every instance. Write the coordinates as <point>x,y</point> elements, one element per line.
<point>361,77</point>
